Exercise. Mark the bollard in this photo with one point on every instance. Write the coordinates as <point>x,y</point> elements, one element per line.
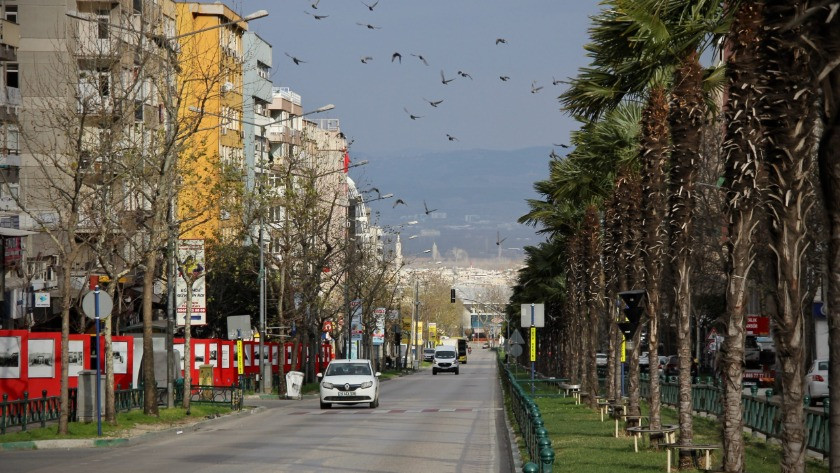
<point>547,459</point>
<point>825,405</point>
<point>769,394</point>
<point>806,400</point>
<point>753,390</point>
<point>530,468</point>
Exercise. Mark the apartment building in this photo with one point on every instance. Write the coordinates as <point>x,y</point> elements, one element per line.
<point>86,75</point>
<point>211,60</point>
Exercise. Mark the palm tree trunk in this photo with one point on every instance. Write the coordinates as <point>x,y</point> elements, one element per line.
<point>743,167</point>
<point>829,164</point>
<point>686,120</point>
<point>654,143</point>
<point>789,129</point>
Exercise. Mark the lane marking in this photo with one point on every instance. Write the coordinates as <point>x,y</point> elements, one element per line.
<point>392,411</point>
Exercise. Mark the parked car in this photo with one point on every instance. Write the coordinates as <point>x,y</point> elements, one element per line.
<point>600,359</point>
<point>446,359</point>
<point>672,366</point>
<point>817,381</point>
<point>486,345</point>
<point>644,361</point>
<point>349,382</point>
<point>428,354</point>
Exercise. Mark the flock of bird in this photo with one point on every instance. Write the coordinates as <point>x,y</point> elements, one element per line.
<point>445,79</point>
<point>397,57</point>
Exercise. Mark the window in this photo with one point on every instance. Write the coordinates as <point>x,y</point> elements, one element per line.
<point>102,24</point>
<point>138,6</point>
<point>11,13</point>
<point>12,79</point>
<point>263,70</point>
<point>138,111</point>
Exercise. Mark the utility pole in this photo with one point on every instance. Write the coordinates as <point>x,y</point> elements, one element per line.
<point>417,334</point>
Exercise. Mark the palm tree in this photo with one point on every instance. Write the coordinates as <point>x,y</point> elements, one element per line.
<point>789,127</point>
<point>743,157</point>
<point>591,236</point>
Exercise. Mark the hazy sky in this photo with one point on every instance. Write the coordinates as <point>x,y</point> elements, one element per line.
<point>544,42</point>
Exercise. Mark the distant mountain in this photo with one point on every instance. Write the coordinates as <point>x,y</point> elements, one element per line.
<point>476,197</point>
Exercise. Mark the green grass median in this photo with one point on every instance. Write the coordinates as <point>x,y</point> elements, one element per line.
<point>584,444</point>
<point>126,421</point>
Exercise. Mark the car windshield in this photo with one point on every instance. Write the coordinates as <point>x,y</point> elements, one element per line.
<point>344,369</point>
<point>429,350</point>
<point>445,354</point>
<point>822,366</point>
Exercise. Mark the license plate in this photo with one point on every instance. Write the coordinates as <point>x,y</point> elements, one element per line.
<point>347,393</point>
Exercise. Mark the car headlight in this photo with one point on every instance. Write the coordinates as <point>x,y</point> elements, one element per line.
<point>367,384</point>
<point>327,385</point>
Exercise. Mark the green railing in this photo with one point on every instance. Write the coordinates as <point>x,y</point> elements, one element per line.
<point>23,412</point>
<point>38,411</point>
<point>529,419</point>
<point>761,413</point>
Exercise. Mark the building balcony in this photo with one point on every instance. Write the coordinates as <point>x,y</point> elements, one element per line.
<point>9,34</point>
<point>9,159</point>
<point>10,97</point>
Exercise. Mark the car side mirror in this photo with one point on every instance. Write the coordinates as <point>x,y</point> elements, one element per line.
<point>319,375</point>
<point>377,374</point>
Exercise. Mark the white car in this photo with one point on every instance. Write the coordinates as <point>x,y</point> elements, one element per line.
<point>817,381</point>
<point>349,382</point>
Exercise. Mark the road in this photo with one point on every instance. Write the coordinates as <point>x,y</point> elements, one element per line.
<point>442,423</point>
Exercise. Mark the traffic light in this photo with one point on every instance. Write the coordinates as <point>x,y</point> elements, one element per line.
<point>452,295</point>
<point>633,310</point>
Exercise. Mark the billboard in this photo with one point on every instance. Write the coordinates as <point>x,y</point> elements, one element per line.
<point>191,261</point>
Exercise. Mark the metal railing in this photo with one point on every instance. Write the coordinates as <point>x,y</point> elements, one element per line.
<point>529,419</point>
<point>24,412</point>
<point>761,413</point>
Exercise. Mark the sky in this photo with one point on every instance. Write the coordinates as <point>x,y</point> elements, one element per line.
<point>543,43</point>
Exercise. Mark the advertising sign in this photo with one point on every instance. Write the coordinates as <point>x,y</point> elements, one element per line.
<point>418,334</point>
<point>433,332</point>
<point>758,325</point>
<point>379,329</point>
<point>191,260</point>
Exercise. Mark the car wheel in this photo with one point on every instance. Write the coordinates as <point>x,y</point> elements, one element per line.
<point>456,372</point>
<point>434,371</point>
<point>374,404</point>
<point>325,405</point>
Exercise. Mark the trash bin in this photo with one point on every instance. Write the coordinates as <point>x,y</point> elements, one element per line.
<point>294,381</point>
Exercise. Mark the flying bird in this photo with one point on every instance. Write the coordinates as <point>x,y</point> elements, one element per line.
<point>398,202</point>
<point>372,6</point>
<point>366,59</point>
<point>553,154</point>
<point>534,88</point>
<point>464,74</point>
<point>420,57</point>
<point>504,78</point>
<point>555,81</point>
<point>501,41</point>
<point>413,117</point>
<point>450,137</point>
<point>396,56</point>
<point>427,208</point>
<point>315,5</point>
<point>562,145</point>
<point>444,79</point>
<point>296,60</point>
<point>434,103</point>
<point>317,17</point>
<point>369,26</point>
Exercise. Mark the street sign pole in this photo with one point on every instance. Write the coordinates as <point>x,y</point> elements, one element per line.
<point>98,365</point>
<point>533,347</point>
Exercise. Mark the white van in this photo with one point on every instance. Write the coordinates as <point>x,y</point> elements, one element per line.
<point>446,359</point>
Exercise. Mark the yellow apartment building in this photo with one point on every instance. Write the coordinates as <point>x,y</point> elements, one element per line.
<point>212,164</point>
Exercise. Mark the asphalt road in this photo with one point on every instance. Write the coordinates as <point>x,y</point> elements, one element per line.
<point>425,423</point>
